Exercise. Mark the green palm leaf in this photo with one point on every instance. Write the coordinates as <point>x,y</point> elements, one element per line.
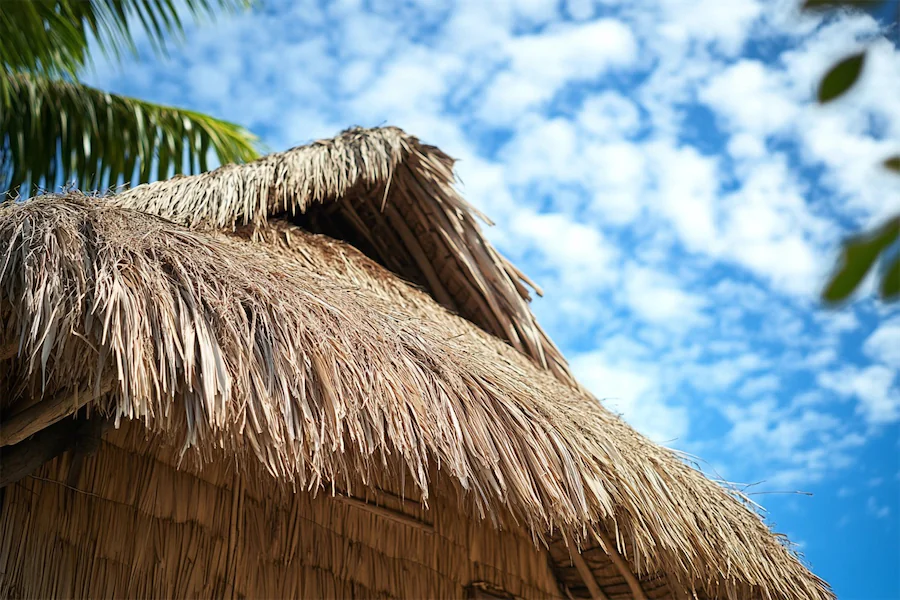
<point>57,131</point>
<point>51,36</point>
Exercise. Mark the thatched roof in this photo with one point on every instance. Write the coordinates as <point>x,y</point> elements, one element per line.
<point>427,233</point>
<point>231,333</point>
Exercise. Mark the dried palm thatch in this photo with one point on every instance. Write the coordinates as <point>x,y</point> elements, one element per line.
<point>271,346</point>
<point>388,194</point>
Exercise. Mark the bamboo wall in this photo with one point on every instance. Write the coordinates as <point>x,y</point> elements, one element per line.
<point>128,524</point>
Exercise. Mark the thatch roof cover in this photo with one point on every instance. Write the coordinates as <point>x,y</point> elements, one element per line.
<point>427,233</point>
<point>298,350</point>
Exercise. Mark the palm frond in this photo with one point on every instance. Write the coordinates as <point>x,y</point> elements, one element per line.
<point>48,36</point>
<point>51,36</point>
<point>53,132</point>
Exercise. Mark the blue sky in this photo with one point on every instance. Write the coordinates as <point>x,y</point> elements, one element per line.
<point>659,169</point>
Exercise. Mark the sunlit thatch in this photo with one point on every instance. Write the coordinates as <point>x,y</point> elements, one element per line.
<point>427,233</point>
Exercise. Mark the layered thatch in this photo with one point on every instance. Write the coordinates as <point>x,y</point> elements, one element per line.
<point>132,525</point>
<point>426,233</point>
<point>318,364</point>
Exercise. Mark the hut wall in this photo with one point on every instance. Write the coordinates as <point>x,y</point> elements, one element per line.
<point>127,523</point>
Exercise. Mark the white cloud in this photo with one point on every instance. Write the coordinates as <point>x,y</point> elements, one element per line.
<point>751,99</point>
<point>746,146</point>
<point>686,191</point>
<point>481,28</point>
<point>544,149</point>
<point>540,64</point>
<point>876,509</point>
<point>616,178</point>
<point>413,84</point>
<point>210,83</point>
<point>789,446</point>
<point>838,322</point>
<point>839,135</point>
<point>724,24</point>
<point>762,384</point>
<point>624,347</point>
<point>884,344</point>
<point>580,10</point>
<point>719,375</point>
<point>756,101</point>
<point>487,181</point>
<point>572,52</point>
<point>873,387</point>
<point>657,298</point>
<point>301,126</point>
<point>633,390</point>
<point>807,60</point>
<point>770,229</point>
<point>577,253</point>
<point>368,35</point>
<point>609,114</point>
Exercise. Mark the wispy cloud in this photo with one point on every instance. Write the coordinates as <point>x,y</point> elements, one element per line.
<point>876,509</point>
<point>872,387</point>
<point>633,390</point>
<point>883,345</point>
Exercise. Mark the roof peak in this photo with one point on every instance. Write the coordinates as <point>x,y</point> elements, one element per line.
<point>389,195</point>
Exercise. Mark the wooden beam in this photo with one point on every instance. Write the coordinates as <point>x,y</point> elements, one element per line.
<point>387,513</point>
<point>622,566</point>
<point>47,412</point>
<point>23,459</point>
<point>584,570</point>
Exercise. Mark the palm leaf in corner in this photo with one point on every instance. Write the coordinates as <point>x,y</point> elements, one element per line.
<point>51,36</point>
<point>56,131</point>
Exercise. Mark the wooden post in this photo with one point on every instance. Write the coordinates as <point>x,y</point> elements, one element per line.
<point>584,570</point>
<point>622,566</point>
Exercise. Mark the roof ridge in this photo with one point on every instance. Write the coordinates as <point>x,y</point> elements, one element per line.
<point>382,188</point>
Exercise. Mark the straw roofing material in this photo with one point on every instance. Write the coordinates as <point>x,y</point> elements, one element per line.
<point>328,369</point>
<point>132,525</point>
<point>388,193</point>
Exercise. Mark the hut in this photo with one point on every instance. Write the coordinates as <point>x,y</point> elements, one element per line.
<point>311,376</point>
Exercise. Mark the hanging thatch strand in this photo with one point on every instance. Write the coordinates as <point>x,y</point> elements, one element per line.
<point>390,190</point>
<point>298,350</point>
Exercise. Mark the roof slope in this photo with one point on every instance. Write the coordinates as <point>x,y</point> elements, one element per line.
<point>327,367</point>
<point>392,196</point>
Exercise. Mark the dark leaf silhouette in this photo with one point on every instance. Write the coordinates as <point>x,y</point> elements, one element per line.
<point>826,4</point>
<point>859,254</point>
<point>841,77</point>
<point>890,284</point>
